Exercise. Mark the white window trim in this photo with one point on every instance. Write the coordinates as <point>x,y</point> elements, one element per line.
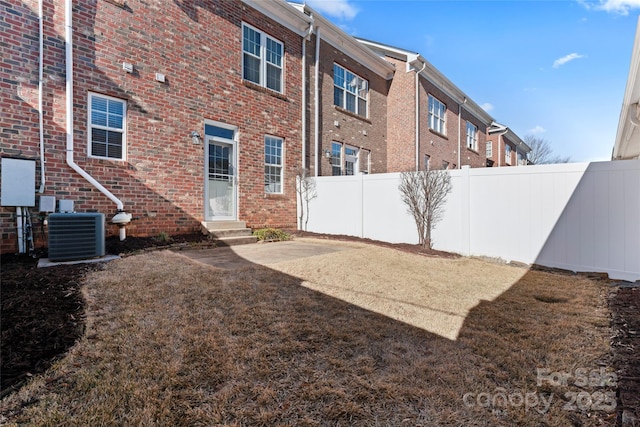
<point>90,127</point>
<point>442,118</point>
<point>281,165</point>
<point>263,58</point>
<point>355,159</point>
<point>489,149</point>
<point>472,139</point>
<point>357,94</point>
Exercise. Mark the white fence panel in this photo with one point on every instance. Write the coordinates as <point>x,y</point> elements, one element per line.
<point>577,216</point>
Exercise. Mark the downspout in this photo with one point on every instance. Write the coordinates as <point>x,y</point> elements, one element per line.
<point>40,89</point>
<point>304,93</point>
<point>424,65</point>
<point>317,104</point>
<point>121,218</point>
<point>460,132</point>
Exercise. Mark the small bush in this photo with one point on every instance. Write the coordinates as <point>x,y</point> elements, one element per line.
<point>163,237</point>
<point>271,235</point>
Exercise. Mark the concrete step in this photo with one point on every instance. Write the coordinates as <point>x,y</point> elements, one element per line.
<point>232,232</point>
<point>228,233</point>
<point>235,241</point>
<point>223,225</point>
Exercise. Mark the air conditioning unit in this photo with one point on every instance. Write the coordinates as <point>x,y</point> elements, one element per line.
<point>75,236</point>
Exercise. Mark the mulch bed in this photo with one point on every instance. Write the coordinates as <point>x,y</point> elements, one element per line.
<point>43,314</point>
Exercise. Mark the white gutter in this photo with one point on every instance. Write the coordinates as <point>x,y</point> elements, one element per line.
<point>460,131</point>
<point>424,64</point>
<point>304,94</point>
<point>121,218</point>
<point>40,89</point>
<point>317,104</point>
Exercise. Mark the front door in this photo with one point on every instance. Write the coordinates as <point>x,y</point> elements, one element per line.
<point>220,164</point>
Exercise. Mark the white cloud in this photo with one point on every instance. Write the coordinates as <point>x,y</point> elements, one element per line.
<point>341,9</point>
<point>487,106</point>
<point>537,130</point>
<point>620,7</point>
<point>561,61</point>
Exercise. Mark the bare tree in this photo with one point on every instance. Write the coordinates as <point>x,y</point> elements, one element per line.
<point>306,188</point>
<point>424,193</point>
<point>541,152</point>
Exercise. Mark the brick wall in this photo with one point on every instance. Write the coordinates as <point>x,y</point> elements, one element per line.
<point>368,133</point>
<point>401,119</point>
<point>161,182</point>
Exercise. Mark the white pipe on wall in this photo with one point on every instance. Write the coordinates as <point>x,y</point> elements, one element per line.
<point>317,104</point>
<point>424,64</point>
<point>459,132</point>
<point>40,89</point>
<point>68,34</point>
<point>304,94</point>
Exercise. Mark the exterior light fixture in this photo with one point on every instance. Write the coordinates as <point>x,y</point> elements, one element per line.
<point>195,137</point>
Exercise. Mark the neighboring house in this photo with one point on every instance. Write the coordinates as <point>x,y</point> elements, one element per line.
<point>184,112</point>
<point>627,144</point>
<point>505,148</point>
<point>347,89</point>
<point>431,122</point>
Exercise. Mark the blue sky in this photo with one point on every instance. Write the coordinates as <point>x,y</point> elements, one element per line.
<point>553,69</point>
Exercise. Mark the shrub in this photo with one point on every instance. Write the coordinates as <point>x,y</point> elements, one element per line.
<point>271,235</point>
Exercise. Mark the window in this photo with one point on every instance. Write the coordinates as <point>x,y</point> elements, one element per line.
<point>350,91</point>
<point>107,118</point>
<point>437,111</point>
<point>427,162</point>
<point>272,164</point>
<point>262,59</point>
<point>472,136</point>
<point>336,159</point>
<point>350,160</point>
<point>507,153</point>
<point>522,158</point>
<point>489,149</point>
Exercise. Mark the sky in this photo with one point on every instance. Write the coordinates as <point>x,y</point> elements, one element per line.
<point>554,69</point>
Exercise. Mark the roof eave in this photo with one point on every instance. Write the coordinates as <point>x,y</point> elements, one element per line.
<point>347,44</point>
<point>627,143</point>
<point>283,13</point>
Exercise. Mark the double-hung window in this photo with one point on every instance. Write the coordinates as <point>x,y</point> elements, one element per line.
<point>262,59</point>
<point>507,153</point>
<point>107,117</point>
<point>350,92</point>
<point>273,164</point>
<point>472,136</point>
<point>489,149</point>
<point>437,113</point>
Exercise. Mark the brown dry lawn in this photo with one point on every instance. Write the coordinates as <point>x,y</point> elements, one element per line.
<point>367,336</point>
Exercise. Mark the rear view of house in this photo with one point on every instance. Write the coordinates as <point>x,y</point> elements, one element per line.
<point>177,113</point>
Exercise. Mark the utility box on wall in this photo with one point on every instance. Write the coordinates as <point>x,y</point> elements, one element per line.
<point>18,183</point>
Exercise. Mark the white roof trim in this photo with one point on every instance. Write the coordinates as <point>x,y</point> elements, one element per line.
<point>415,61</point>
<point>348,44</point>
<point>282,13</point>
<point>627,144</point>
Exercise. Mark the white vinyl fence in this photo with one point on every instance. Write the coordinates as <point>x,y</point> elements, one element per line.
<point>575,216</point>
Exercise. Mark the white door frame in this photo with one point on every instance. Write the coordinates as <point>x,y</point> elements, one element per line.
<point>233,172</point>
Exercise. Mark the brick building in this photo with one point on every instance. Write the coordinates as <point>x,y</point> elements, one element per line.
<point>347,109</point>
<point>431,122</point>
<point>505,148</point>
<point>182,112</point>
<point>190,114</point>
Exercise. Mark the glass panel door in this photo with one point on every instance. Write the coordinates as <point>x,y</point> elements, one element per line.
<point>221,179</point>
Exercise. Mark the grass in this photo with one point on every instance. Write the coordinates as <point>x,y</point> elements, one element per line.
<point>173,342</point>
